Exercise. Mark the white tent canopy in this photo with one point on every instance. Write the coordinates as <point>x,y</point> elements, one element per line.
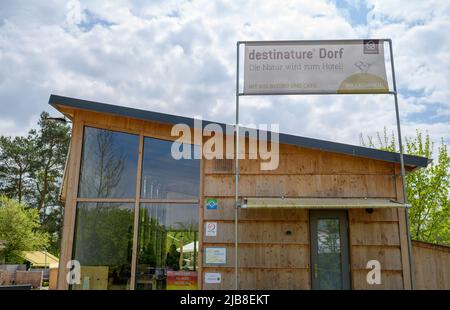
<point>189,248</point>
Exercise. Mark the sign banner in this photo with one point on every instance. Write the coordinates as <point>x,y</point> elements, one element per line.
<point>341,67</point>
<point>213,277</point>
<point>211,229</point>
<point>215,255</point>
<point>211,204</point>
<point>181,280</point>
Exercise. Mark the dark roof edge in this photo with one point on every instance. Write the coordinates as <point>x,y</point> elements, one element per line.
<point>359,151</point>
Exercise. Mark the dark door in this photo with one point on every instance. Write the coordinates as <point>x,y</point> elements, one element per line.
<point>329,250</point>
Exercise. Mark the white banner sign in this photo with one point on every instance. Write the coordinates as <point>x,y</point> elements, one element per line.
<point>213,277</point>
<point>215,255</point>
<point>211,229</point>
<point>341,67</point>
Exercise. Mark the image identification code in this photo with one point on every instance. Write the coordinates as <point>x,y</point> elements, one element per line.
<point>227,300</point>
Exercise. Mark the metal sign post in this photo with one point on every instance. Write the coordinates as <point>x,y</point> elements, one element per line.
<point>236,177</point>
<point>402,167</point>
<point>323,92</point>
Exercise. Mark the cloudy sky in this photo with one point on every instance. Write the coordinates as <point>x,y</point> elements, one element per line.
<point>179,57</point>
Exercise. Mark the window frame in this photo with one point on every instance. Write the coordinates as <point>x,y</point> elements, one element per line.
<point>137,200</point>
<point>197,253</point>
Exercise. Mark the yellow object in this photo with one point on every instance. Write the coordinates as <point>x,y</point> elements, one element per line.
<point>41,259</point>
<point>181,280</point>
<point>363,83</point>
<point>93,278</point>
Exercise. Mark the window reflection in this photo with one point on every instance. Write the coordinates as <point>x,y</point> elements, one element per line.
<point>329,253</point>
<point>164,177</point>
<point>103,245</point>
<point>168,244</point>
<point>109,164</point>
<point>168,233</point>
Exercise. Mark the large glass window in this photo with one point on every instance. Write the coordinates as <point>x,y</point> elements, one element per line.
<point>103,245</point>
<point>109,164</point>
<point>164,177</point>
<point>167,239</point>
<point>168,243</point>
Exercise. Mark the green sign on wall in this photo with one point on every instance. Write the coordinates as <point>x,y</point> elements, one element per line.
<point>211,204</point>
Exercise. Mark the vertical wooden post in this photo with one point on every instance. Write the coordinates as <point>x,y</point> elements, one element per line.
<point>136,214</point>
<point>70,207</point>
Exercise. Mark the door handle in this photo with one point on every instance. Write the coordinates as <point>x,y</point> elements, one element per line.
<point>316,271</point>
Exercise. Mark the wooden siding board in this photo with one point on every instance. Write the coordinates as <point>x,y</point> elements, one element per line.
<point>374,186</point>
<point>375,234</point>
<point>225,211</point>
<point>389,257</point>
<point>431,266</point>
<point>262,232</point>
<point>266,256</point>
<point>390,280</point>
<point>260,279</point>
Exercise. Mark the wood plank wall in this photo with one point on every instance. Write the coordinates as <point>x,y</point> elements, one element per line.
<point>270,257</point>
<point>431,266</point>
<point>375,237</point>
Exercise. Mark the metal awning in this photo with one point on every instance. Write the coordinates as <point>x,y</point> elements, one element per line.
<point>320,203</point>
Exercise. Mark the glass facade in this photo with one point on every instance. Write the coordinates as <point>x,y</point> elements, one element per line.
<point>167,237</point>
<point>108,164</point>
<point>164,177</point>
<point>103,244</point>
<point>168,244</point>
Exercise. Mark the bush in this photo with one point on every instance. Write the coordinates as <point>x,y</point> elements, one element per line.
<point>19,230</point>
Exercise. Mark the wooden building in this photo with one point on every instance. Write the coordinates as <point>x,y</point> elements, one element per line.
<point>136,218</point>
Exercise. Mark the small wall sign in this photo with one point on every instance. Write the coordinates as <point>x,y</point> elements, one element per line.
<point>181,280</point>
<point>211,229</point>
<point>211,204</point>
<point>213,277</point>
<point>216,256</point>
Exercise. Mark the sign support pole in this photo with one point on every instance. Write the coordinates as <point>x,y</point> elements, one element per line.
<point>236,177</point>
<point>402,164</point>
<point>402,167</point>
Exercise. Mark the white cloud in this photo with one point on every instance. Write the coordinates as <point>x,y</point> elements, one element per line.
<point>179,57</point>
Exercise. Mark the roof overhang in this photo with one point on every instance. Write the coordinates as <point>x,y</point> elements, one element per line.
<point>320,203</point>
<point>63,104</point>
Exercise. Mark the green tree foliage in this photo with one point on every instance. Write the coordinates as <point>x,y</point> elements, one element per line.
<point>16,159</point>
<point>19,229</point>
<point>51,148</point>
<point>51,145</point>
<point>427,188</point>
<point>31,169</point>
